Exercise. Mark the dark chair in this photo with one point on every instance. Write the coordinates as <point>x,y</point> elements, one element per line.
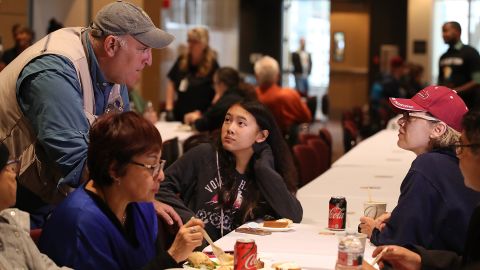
<point>35,235</point>
<point>195,140</point>
<point>170,151</point>
<point>303,138</point>
<point>306,161</point>
<point>325,135</point>
<point>323,154</point>
<point>312,106</point>
<point>350,134</point>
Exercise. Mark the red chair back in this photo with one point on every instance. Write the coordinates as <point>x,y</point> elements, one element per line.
<point>306,160</point>
<point>35,235</point>
<point>323,154</point>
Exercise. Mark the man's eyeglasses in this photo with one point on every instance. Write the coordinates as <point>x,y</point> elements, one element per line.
<point>408,116</point>
<point>15,164</point>
<point>458,147</point>
<point>154,169</point>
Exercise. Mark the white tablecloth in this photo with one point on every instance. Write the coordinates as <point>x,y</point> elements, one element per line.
<point>170,130</point>
<point>303,245</point>
<point>374,169</point>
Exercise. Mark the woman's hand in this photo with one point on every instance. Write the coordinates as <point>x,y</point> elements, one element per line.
<point>400,258</point>
<point>167,213</point>
<point>382,220</point>
<point>187,239</point>
<point>191,117</point>
<point>366,226</point>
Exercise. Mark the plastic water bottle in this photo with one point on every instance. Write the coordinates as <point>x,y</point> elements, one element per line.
<point>350,253</point>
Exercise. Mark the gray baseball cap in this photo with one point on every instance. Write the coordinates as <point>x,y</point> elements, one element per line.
<point>124,18</point>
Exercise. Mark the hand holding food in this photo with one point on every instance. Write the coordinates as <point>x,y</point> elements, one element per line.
<point>188,238</point>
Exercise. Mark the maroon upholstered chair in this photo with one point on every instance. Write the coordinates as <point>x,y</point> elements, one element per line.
<point>325,135</point>
<point>323,154</point>
<point>35,235</point>
<point>306,161</point>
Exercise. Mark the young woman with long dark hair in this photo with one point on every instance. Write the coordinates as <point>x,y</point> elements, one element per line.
<point>248,174</point>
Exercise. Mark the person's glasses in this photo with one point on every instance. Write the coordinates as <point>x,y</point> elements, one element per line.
<point>14,164</point>
<point>458,147</point>
<point>408,116</point>
<point>154,169</point>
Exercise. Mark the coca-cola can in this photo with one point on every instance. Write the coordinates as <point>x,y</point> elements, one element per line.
<point>245,254</point>
<point>337,213</point>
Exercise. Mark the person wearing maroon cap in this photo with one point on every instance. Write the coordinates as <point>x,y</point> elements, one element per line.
<point>417,257</point>
<point>434,205</point>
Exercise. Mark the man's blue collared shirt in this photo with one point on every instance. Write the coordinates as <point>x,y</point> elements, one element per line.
<point>50,96</point>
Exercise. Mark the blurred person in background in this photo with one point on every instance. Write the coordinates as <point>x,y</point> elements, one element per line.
<point>17,249</point>
<point>54,90</point>
<point>416,257</point>
<point>190,84</point>
<point>110,221</point>
<point>285,104</point>
<point>434,205</point>
<point>23,37</point>
<point>302,67</point>
<point>459,66</point>
<point>229,89</point>
<point>247,174</point>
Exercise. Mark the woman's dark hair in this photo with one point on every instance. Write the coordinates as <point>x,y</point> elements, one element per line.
<point>282,159</point>
<point>471,127</point>
<point>229,76</point>
<point>232,79</point>
<point>115,139</point>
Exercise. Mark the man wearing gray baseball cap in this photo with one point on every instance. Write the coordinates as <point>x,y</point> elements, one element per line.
<point>54,90</point>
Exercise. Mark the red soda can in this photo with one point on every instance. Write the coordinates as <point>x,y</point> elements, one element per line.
<point>337,213</point>
<point>245,254</point>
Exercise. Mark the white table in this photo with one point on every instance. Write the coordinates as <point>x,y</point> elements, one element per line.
<point>379,150</point>
<point>170,130</point>
<point>375,169</point>
<point>303,245</point>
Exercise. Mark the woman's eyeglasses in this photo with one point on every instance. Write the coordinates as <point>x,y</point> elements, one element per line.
<point>458,147</point>
<point>154,169</point>
<point>408,116</point>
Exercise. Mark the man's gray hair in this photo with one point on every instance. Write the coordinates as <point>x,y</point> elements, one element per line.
<point>267,70</point>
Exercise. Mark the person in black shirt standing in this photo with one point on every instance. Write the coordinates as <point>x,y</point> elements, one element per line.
<point>191,77</point>
<point>460,66</point>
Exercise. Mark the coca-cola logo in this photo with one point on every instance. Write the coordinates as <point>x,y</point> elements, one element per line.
<point>337,213</point>
<point>250,262</point>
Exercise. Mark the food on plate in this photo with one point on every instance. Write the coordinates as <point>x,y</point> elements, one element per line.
<point>200,260</point>
<point>286,266</point>
<point>279,223</point>
<point>226,259</point>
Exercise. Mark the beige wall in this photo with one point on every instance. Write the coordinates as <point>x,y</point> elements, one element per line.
<point>69,13</point>
<point>349,79</point>
<point>419,27</point>
<point>11,12</point>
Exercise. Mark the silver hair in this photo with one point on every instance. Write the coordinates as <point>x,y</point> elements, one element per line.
<point>267,70</point>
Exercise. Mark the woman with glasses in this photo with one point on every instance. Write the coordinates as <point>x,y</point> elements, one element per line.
<point>110,222</point>
<point>247,174</point>
<point>17,249</point>
<point>434,205</point>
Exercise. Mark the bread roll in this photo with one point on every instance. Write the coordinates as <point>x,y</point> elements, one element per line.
<point>286,266</point>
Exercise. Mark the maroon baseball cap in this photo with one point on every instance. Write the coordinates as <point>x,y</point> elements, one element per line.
<point>440,101</point>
